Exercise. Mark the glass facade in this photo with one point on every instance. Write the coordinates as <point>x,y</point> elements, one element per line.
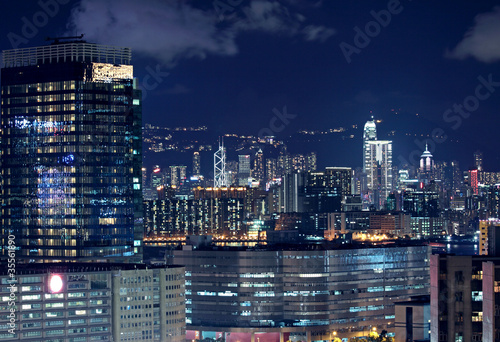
<point>71,152</point>
<point>348,291</point>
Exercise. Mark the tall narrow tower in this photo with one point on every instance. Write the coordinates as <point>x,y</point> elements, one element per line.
<point>478,160</point>
<point>369,134</point>
<point>71,153</point>
<point>379,171</point>
<point>220,176</point>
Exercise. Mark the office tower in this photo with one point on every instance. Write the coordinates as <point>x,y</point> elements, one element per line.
<point>284,162</point>
<point>311,161</point>
<point>271,169</point>
<point>492,194</point>
<point>298,293</point>
<point>232,172</point>
<point>478,160</point>
<point>220,174</point>
<point>458,179</point>
<point>258,169</point>
<point>196,163</point>
<point>473,181</point>
<point>105,302</point>
<point>426,161</point>
<point>291,192</point>
<point>379,171</point>
<point>156,177</point>
<point>426,169</point>
<point>341,177</point>
<point>144,177</point>
<point>71,162</point>
<point>369,134</point>
<point>322,193</point>
<point>243,169</point>
<point>421,203</point>
<point>177,174</point>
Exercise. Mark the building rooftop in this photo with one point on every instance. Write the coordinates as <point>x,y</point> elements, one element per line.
<point>77,267</point>
<point>79,51</point>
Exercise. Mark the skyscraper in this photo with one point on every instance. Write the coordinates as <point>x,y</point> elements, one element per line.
<point>196,163</point>
<point>258,169</point>
<point>177,174</point>
<point>369,134</point>
<point>478,160</point>
<point>220,175</point>
<point>243,169</point>
<point>71,162</point>
<point>379,171</point>
<point>426,170</point>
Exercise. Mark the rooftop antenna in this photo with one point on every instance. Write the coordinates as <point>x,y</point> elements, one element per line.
<point>57,40</point>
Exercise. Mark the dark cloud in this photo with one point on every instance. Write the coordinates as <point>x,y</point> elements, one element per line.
<point>482,41</point>
<point>173,30</point>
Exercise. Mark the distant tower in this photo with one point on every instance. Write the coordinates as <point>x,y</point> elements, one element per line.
<point>258,170</point>
<point>478,160</point>
<point>426,161</point>
<point>243,169</point>
<point>369,134</point>
<point>196,163</point>
<point>220,176</point>
<point>379,171</point>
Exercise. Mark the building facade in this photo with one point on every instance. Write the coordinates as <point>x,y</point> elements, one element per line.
<point>71,161</point>
<point>80,302</point>
<point>286,293</point>
<point>379,171</point>
<point>465,295</point>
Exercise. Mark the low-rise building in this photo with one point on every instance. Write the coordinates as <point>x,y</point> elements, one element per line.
<point>302,292</point>
<point>80,302</point>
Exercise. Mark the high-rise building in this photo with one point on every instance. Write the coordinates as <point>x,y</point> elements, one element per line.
<point>196,163</point>
<point>258,169</point>
<point>177,174</point>
<point>156,178</point>
<point>478,160</point>
<point>243,169</point>
<point>426,161</point>
<point>217,211</point>
<point>220,174</point>
<point>464,298</point>
<point>71,162</point>
<point>271,169</point>
<point>369,134</point>
<point>341,177</point>
<point>379,171</point>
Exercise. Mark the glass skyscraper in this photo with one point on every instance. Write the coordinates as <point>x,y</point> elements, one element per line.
<point>71,153</point>
<point>369,134</point>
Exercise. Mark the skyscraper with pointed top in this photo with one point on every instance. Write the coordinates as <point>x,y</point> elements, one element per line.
<point>369,134</point>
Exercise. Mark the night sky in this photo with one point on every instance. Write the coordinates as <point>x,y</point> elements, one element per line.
<point>230,64</point>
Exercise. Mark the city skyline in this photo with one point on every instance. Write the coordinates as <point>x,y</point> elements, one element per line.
<point>249,171</point>
<point>243,72</point>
